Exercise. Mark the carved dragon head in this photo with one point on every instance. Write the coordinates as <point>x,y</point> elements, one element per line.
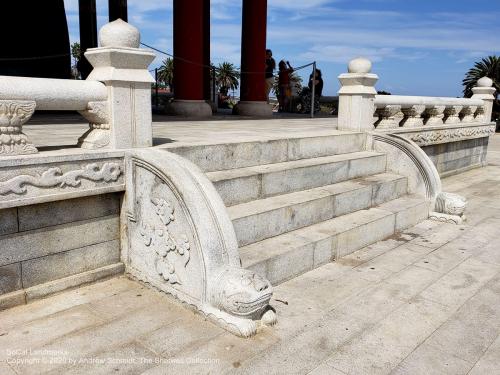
<point>241,292</point>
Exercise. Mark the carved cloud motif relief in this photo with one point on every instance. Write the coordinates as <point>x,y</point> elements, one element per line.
<point>54,177</point>
<point>170,251</point>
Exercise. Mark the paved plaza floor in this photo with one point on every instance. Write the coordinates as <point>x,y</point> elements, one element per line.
<point>426,301</point>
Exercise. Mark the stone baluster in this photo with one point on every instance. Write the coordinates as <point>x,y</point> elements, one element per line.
<point>467,113</point>
<point>434,115</point>
<point>452,114</point>
<point>413,116</point>
<point>13,114</point>
<point>480,115</point>
<point>387,117</point>
<point>485,91</point>
<point>357,96</point>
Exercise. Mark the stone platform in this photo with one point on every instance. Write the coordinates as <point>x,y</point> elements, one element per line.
<point>63,130</point>
<point>426,301</point>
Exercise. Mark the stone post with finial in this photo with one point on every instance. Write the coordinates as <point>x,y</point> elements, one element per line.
<point>124,120</point>
<point>357,96</point>
<point>485,91</point>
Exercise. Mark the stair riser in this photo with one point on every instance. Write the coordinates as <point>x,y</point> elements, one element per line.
<point>245,189</point>
<point>239,155</point>
<point>312,255</point>
<point>256,228</point>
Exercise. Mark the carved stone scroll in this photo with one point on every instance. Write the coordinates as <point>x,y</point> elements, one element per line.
<point>181,241</point>
<point>13,114</point>
<point>98,136</point>
<point>449,208</point>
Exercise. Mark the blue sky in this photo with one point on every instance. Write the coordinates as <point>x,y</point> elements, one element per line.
<point>418,47</point>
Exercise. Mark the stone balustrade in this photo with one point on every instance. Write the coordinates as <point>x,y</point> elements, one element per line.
<point>394,111</point>
<point>115,98</point>
<point>359,103</point>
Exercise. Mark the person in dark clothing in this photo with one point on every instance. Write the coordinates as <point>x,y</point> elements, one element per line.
<point>270,68</point>
<point>306,93</point>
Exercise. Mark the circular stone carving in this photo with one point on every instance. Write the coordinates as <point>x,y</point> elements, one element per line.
<point>485,82</point>
<point>119,34</point>
<point>360,65</point>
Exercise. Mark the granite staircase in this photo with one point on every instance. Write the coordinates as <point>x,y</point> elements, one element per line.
<point>299,203</point>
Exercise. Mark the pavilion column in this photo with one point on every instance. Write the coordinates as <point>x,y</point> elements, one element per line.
<point>253,100</point>
<point>118,9</point>
<point>88,33</point>
<point>190,55</point>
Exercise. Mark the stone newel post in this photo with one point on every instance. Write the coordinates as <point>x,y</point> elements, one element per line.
<point>357,96</point>
<point>124,121</point>
<point>485,91</point>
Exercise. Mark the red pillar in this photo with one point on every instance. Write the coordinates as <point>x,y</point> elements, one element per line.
<point>207,89</point>
<point>190,55</point>
<point>253,59</point>
<point>188,49</point>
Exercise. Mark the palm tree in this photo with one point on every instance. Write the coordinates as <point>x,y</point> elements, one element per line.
<point>227,77</point>
<point>166,72</point>
<point>487,67</point>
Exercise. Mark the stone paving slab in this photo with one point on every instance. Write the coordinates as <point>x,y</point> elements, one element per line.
<point>426,301</point>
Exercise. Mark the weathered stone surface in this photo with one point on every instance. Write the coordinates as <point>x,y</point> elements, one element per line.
<point>57,266</point>
<point>56,239</point>
<point>13,299</point>
<point>313,147</point>
<point>40,332</point>
<point>8,221</point>
<point>67,211</point>
<point>219,157</point>
<point>430,360</point>
<point>377,225</point>
<point>10,278</point>
<point>43,290</point>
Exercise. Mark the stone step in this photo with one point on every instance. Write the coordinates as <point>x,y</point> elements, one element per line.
<point>242,185</point>
<point>291,254</point>
<point>265,218</point>
<point>246,154</point>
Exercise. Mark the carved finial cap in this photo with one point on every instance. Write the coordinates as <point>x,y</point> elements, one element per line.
<point>485,82</point>
<point>119,34</point>
<point>360,65</point>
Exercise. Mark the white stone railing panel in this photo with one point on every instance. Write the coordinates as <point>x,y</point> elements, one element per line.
<point>359,104</point>
<point>53,94</point>
<point>116,98</point>
<point>421,111</point>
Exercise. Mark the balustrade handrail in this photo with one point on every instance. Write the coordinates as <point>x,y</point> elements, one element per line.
<point>53,94</point>
<point>409,101</point>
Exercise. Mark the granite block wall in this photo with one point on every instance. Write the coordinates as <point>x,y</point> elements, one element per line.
<point>456,157</point>
<point>46,242</point>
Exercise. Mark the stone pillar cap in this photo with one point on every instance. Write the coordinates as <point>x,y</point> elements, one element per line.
<point>485,82</point>
<point>119,34</point>
<point>360,65</point>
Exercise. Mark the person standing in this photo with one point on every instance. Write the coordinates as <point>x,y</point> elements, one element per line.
<point>317,82</point>
<point>285,70</point>
<point>270,68</point>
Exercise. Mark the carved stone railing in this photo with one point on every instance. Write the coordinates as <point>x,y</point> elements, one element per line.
<point>360,108</point>
<point>394,111</point>
<point>400,126</point>
<point>115,98</point>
